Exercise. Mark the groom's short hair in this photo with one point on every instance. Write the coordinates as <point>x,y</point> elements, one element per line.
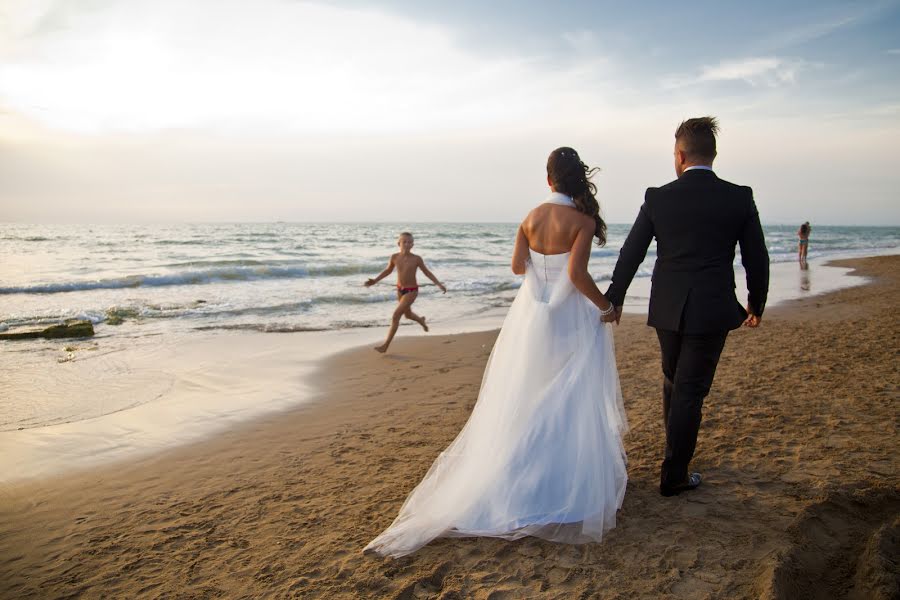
<point>697,137</point>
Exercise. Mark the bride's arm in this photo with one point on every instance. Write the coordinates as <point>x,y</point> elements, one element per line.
<point>578,263</point>
<point>520,253</point>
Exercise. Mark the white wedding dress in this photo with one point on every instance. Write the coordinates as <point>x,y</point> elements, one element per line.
<point>542,452</point>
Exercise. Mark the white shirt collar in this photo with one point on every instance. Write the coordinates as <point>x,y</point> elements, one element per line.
<point>703,167</point>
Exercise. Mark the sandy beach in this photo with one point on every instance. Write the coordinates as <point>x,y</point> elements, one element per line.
<point>798,447</point>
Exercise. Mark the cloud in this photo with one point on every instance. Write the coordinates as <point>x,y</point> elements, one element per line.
<point>843,17</point>
<point>142,65</point>
<point>752,70</point>
<point>893,51</point>
<point>812,31</point>
<point>755,71</point>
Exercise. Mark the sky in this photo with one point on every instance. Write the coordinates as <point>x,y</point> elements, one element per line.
<point>133,111</point>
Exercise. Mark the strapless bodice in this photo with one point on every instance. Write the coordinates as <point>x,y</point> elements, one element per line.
<point>547,267</point>
<point>550,272</point>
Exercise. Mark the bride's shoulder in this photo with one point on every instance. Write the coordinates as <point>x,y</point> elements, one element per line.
<point>581,220</point>
<point>540,208</point>
<point>532,215</point>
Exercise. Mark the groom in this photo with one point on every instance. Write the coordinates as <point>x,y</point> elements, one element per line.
<point>696,220</point>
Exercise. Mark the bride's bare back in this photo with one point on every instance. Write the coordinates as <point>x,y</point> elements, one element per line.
<point>557,229</point>
<point>552,228</point>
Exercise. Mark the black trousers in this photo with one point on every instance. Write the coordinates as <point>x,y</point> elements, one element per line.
<point>689,365</point>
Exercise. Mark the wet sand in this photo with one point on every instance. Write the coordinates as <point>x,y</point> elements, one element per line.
<point>799,450</point>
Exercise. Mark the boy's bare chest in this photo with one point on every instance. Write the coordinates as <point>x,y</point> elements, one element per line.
<point>406,263</point>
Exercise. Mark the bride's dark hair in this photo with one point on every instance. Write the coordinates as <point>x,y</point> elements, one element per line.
<point>569,176</point>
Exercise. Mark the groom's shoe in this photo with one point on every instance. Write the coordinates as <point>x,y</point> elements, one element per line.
<point>691,483</point>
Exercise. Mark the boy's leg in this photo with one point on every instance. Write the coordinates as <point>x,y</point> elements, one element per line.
<point>409,314</point>
<point>402,307</point>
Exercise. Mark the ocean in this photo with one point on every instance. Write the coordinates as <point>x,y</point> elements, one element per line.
<point>143,280</point>
<point>200,326</point>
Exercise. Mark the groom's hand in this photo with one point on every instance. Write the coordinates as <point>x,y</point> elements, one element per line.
<point>613,317</point>
<point>751,320</point>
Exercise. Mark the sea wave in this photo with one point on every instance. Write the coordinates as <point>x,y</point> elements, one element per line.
<point>231,262</point>
<point>196,277</point>
<point>198,309</point>
<point>185,242</point>
<point>480,235</point>
<point>260,327</point>
<point>288,327</point>
<point>469,262</point>
<point>30,238</point>
<point>484,286</point>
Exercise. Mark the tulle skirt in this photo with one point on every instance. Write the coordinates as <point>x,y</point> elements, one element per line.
<point>542,452</point>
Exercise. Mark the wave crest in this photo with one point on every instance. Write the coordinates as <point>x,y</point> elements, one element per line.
<point>245,272</point>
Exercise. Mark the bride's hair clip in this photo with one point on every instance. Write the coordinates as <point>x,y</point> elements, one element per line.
<point>569,154</point>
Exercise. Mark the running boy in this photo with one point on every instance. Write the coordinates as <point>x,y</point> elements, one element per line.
<point>406,264</point>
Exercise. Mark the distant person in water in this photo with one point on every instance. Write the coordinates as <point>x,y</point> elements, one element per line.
<point>406,264</point>
<point>803,245</point>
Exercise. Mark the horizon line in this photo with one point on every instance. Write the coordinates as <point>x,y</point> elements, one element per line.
<point>373,222</point>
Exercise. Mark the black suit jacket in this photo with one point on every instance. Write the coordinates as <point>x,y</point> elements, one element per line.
<point>697,220</point>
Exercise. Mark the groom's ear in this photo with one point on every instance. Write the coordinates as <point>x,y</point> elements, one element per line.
<point>681,157</point>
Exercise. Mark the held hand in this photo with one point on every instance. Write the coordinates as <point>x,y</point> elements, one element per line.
<point>751,320</point>
<point>618,314</point>
<point>609,317</point>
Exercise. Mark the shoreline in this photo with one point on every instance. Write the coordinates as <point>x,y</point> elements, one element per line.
<point>201,386</point>
<point>798,446</point>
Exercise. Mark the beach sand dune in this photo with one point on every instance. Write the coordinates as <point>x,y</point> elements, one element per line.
<point>799,448</point>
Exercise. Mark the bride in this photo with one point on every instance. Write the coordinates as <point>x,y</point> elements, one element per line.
<point>542,452</point>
